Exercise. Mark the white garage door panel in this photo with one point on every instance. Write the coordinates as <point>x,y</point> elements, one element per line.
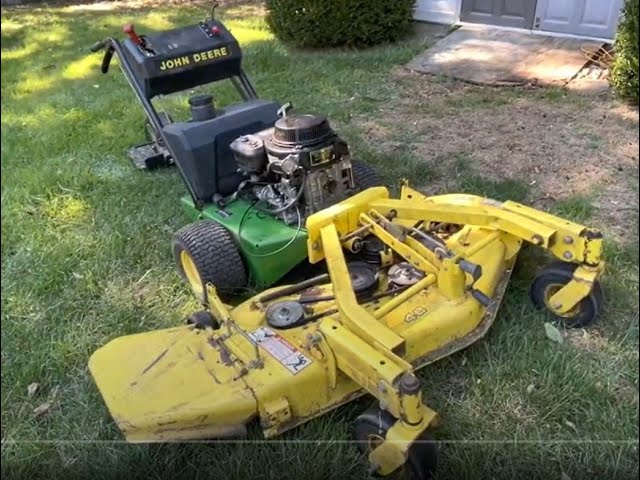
<point>436,11</point>
<point>595,18</point>
<point>596,14</point>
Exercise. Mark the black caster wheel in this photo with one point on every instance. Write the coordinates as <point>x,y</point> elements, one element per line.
<point>203,319</point>
<point>551,279</point>
<point>370,430</point>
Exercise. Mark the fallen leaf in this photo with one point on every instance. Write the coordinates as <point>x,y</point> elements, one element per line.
<point>553,333</point>
<point>77,275</point>
<point>599,386</point>
<point>42,409</point>
<point>565,476</point>
<point>464,361</point>
<point>32,389</point>
<point>531,388</point>
<point>96,86</point>
<point>571,425</point>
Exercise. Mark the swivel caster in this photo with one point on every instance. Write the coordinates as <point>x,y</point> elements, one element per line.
<point>551,279</point>
<point>370,430</point>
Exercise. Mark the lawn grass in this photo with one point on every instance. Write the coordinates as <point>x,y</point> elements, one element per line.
<point>86,258</point>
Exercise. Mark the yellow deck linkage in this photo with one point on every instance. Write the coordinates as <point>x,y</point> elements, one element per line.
<point>293,353</point>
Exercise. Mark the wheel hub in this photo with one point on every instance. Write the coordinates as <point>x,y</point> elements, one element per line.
<point>191,272</point>
<point>549,292</point>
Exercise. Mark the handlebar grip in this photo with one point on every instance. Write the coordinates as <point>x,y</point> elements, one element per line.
<point>96,47</point>
<point>472,269</point>
<point>106,60</point>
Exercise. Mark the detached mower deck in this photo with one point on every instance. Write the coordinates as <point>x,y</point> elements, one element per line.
<point>293,353</point>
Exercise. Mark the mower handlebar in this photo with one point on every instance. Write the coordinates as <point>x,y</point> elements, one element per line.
<point>96,47</point>
<point>109,46</point>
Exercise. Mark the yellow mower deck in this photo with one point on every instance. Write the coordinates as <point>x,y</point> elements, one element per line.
<point>188,382</point>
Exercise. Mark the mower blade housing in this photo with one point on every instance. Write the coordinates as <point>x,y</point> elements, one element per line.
<point>172,384</point>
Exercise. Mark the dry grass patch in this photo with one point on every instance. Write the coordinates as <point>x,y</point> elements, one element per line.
<point>560,144</point>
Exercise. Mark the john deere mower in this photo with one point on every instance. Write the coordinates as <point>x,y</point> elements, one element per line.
<point>254,170</point>
<point>410,280</point>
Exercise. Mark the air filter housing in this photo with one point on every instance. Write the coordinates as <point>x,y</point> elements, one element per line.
<point>309,138</point>
<point>301,130</point>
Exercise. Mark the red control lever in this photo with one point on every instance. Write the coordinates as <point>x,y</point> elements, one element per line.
<point>133,36</point>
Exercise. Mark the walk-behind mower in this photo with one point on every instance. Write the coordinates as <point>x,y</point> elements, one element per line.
<point>254,170</point>
<point>410,281</point>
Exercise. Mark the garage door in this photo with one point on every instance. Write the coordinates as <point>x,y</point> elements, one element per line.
<point>593,18</point>
<point>506,13</point>
<point>437,11</point>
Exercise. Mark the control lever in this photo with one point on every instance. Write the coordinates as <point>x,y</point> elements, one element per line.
<point>133,36</point>
<point>213,9</point>
<point>466,266</point>
<point>475,271</point>
<point>472,269</point>
<point>481,297</point>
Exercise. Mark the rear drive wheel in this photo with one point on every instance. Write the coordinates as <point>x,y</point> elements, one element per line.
<point>364,175</point>
<point>551,279</point>
<point>205,252</point>
<point>370,430</point>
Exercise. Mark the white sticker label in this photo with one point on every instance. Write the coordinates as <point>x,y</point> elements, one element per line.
<point>280,349</point>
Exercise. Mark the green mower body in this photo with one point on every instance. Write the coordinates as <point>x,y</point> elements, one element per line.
<point>269,167</point>
<point>269,248</point>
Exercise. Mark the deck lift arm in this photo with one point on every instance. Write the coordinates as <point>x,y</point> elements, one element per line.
<point>364,346</point>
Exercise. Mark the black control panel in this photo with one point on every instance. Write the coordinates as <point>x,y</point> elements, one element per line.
<point>183,58</point>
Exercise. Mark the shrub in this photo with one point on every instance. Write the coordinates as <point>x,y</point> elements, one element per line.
<point>333,23</point>
<point>624,70</point>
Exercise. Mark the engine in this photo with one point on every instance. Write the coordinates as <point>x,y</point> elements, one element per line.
<point>296,168</point>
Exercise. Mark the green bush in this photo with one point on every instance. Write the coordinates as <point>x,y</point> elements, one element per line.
<point>624,70</point>
<point>334,23</point>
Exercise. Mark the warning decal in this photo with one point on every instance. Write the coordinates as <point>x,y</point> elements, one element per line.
<point>280,349</point>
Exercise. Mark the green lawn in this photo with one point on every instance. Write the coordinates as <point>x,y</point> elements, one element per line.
<point>86,258</point>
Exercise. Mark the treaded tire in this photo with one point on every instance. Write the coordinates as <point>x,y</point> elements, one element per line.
<point>557,274</point>
<point>364,175</point>
<point>215,256</point>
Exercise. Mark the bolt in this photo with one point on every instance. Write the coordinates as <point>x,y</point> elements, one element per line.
<point>315,246</point>
<point>557,306</point>
<point>382,387</point>
<point>314,338</point>
<point>567,255</point>
<point>568,240</point>
<point>409,384</point>
<point>537,239</point>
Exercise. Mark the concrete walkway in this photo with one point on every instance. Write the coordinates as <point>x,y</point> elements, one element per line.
<point>490,56</point>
